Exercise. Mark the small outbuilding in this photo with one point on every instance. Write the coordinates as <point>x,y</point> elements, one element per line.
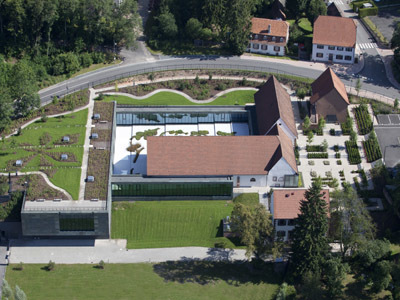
<point>90,179</point>
<point>64,156</point>
<point>65,139</point>
<point>96,116</point>
<point>18,163</point>
<point>95,136</point>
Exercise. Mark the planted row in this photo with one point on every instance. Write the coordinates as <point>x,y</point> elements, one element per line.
<point>314,148</point>
<point>353,153</point>
<point>317,155</point>
<point>372,150</point>
<point>363,118</point>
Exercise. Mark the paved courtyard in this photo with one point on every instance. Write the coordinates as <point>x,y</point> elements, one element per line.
<point>386,21</point>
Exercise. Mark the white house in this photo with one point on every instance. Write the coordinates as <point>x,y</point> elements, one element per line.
<point>334,40</point>
<point>285,208</point>
<point>268,36</point>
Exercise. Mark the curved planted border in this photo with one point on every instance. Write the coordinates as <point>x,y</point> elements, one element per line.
<point>181,94</point>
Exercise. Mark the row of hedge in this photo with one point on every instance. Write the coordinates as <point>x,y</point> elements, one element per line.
<point>317,155</point>
<point>353,153</point>
<point>372,150</point>
<point>363,118</point>
<point>314,148</point>
<point>363,12</point>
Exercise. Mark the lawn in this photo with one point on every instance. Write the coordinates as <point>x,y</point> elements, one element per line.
<point>250,199</point>
<point>303,23</point>
<point>168,98</point>
<point>39,146</point>
<point>172,280</point>
<point>158,224</point>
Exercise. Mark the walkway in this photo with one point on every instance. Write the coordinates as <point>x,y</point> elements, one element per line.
<point>110,251</point>
<point>86,146</point>
<point>45,179</point>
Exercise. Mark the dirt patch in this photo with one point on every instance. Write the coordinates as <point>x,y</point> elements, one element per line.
<point>39,189</point>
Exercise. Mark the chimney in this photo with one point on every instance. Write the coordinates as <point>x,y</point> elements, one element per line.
<point>269,28</point>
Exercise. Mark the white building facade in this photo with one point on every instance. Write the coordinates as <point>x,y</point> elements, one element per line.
<point>335,54</point>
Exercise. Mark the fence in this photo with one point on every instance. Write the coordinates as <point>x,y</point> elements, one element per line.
<point>365,92</point>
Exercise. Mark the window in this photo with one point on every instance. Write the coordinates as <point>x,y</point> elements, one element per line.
<point>320,55</point>
<point>280,233</point>
<point>291,222</point>
<point>265,37</point>
<point>256,36</point>
<point>349,49</point>
<point>256,46</point>
<point>281,39</point>
<point>273,38</point>
<point>347,57</point>
<point>280,179</point>
<point>274,178</point>
<point>331,47</point>
<point>320,46</point>
<point>339,48</point>
<point>252,180</point>
<point>83,222</point>
<point>264,47</point>
<point>281,222</point>
<point>339,56</point>
<point>276,48</point>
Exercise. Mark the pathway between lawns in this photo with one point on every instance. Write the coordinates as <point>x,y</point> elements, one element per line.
<point>110,251</point>
<point>45,179</point>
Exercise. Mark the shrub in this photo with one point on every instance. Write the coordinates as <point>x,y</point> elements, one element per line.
<point>347,126</point>
<point>337,155</point>
<point>339,162</point>
<point>221,86</point>
<point>317,155</point>
<point>101,264</point>
<point>311,162</point>
<point>332,132</point>
<point>336,148</point>
<point>314,148</point>
<point>51,266</point>
<point>326,162</point>
<point>44,118</point>
<point>301,93</point>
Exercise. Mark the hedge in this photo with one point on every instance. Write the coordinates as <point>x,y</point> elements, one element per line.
<point>363,118</point>
<point>363,12</point>
<point>314,148</point>
<point>353,153</point>
<point>317,155</point>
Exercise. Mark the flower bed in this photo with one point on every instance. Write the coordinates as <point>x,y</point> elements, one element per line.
<point>353,153</point>
<point>317,155</point>
<point>363,118</point>
<point>372,150</point>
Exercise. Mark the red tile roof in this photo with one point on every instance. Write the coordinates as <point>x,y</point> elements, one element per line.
<point>287,202</point>
<point>335,31</point>
<point>212,155</point>
<point>287,148</point>
<point>278,28</point>
<point>273,102</point>
<point>326,82</point>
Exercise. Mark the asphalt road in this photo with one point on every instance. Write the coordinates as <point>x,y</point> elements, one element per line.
<point>378,84</point>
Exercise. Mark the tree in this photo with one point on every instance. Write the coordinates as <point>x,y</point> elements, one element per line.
<point>358,86</point>
<point>6,109</point>
<point>395,42</point>
<point>306,123</point>
<point>25,104</point>
<point>311,287</point>
<point>254,226</point>
<point>309,242</point>
<point>321,123</point>
<point>167,24</point>
<point>7,291</point>
<point>296,8</point>
<point>315,8</point>
<point>370,265</point>
<point>334,272</point>
<point>352,224</point>
<point>396,103</point>
<point>193,28</point>
<point>310,137</point>
<point>19,294</point>
<point>353,135</point>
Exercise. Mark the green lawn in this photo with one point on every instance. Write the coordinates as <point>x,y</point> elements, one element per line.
<point>247,199</point>
<point>198,280</point>
<point>303,23</point>
<point>157,224</point>
<point>169,98</point>
<point>39,147</point>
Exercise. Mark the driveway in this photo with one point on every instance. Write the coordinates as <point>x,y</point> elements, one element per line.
<point>110,251</point>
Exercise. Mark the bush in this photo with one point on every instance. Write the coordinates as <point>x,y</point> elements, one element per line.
<point>51,266</point>
<point>44,118</point>
<point>326,162</point>
<point>339,162</point>
<point>336,148</point>
<point>332,132</point>
<point>85,60</point>
<point>314,148</point>
<point>369,11</point>
<point>301,93</point>
<point>347,126</point>
<point>317,155</point>
<point>353,153</point>
<point>337,155</point>
<point>101,264</point>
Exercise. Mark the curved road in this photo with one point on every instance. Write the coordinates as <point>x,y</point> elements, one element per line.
<point>205,62</point>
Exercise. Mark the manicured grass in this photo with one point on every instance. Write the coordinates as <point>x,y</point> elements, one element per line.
<point>27,147</point>
<point>179,280</point>
<point>168,98</point>
<point>157,224</point>
<point>250,199</point>
<point>305,24</point>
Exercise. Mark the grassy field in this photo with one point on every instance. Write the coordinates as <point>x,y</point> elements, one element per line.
<point>168,98</point>
<point>191,281</point>
<point>39,146</point>
<point>157,224</point>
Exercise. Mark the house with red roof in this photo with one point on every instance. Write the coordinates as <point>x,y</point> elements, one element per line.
<point>285,208</point>
<point>268,36</point>
<point>334,40</point>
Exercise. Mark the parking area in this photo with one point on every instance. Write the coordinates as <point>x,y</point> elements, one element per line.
<point>386,20</point>
<point>392,119</point>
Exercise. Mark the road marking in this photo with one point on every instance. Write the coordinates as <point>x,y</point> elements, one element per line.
<point>364,46</point>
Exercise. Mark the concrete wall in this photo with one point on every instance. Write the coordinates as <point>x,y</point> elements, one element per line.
<point>279,171</point>
<point>325,54</point>
<point>42,223</point>
<point>245,180</point>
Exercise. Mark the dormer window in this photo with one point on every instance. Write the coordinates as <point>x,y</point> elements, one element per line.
<point>281,39</point>
<point>265,37</point>
<point>256,36</point>
<point>273,39</point>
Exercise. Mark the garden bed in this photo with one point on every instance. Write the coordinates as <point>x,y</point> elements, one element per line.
<point>353,152</point>
<point>372,150</point>
<point>317,155</point>
<point>364,121</point>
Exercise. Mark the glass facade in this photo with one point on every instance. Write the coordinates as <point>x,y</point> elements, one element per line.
<point>179,118</point>
<point>84,222</point>
<point>171,189</point>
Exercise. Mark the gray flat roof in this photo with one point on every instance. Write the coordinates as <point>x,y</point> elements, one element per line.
<point>389,141</point>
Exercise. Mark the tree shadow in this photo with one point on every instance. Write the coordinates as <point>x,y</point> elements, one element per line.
<point>209,272</point>
<point>355,290</point>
